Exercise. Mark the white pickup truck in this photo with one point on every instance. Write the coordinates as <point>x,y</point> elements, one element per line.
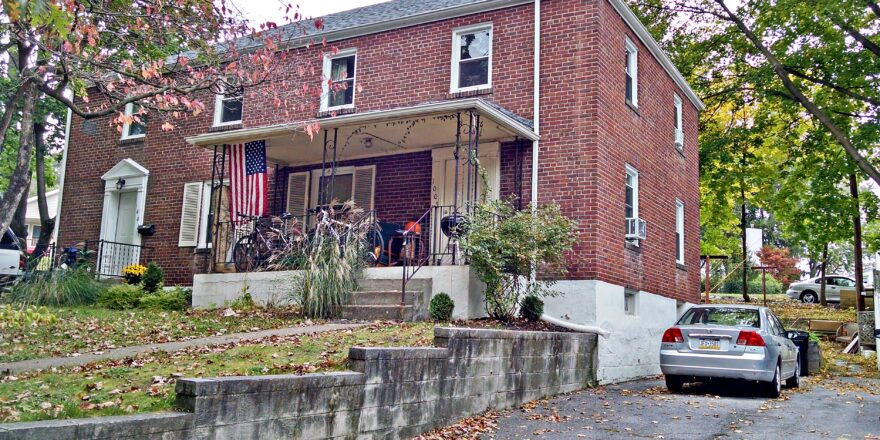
<point>11,258</point>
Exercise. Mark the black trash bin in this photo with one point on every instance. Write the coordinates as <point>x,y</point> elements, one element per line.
<point>802,340</point>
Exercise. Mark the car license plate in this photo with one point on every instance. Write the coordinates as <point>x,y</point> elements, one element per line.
<point>710,344</point>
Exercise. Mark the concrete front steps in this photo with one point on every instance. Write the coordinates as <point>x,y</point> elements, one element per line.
<point>378,299</point>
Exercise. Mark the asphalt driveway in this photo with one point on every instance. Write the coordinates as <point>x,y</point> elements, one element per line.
<point>831,409</point>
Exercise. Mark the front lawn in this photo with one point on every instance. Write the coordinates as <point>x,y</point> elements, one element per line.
<point>146,383</point>
<point>89,329</point>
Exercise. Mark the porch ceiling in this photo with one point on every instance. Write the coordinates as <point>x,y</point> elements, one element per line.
<point>378,133</point>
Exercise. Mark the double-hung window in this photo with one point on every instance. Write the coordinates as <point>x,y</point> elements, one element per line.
<point>632,73</point>
<point>228,108</point>
<point>632,195</point>
<point>471,58</point>
<point>679,231</point>
<point>136,122</point>
<point>679,126</point>
<point>339,80</point>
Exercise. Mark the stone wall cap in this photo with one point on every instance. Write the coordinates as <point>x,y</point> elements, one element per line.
<point>259,384</point>
<point>365,353</point>
<point>485,333</point>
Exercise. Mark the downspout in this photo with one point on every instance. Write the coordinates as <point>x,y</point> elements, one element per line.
<point>61,180</point>
<point>536,103</point>
<point>576,327</point>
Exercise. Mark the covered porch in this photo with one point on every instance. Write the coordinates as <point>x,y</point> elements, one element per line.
<point>412,171</point>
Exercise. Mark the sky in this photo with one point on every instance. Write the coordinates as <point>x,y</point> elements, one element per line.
<point>258,11</point>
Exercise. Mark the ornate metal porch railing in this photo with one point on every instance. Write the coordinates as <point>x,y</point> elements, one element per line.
<point>111,257</point>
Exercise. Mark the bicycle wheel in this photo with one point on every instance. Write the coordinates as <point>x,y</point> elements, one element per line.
<point>244,255</point>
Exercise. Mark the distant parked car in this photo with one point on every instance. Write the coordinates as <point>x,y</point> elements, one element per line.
<point>12,259</point>
<point>729,342</point>
<point>808,290</point>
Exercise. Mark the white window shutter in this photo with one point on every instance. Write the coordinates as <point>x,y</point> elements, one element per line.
<point>297,188</point>
<point>364,181</point>
<point>189,214</point>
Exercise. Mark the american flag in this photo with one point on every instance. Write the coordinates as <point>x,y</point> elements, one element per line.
<point>248,180</point>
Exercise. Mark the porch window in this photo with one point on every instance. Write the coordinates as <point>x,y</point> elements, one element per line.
<point>228,108</point>
<point>679,128</point>
<point>339,84</point>
<point>472,58</point>
<point>137,127</point>
<point>679,231</point>
<point>632,193</point>
<point>632,73</point>
<point>338,187</point>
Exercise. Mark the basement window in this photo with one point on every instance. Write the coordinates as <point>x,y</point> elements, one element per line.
<point>630,302</point>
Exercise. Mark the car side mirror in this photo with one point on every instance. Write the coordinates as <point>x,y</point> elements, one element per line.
<point>791,334</point>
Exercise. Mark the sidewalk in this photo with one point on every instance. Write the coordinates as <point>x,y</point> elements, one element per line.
<point>124,352</point>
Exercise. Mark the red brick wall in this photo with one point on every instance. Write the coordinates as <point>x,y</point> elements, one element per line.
<point>587,135</point>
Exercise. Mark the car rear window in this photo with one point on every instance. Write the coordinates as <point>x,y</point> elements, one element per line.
<point>7,241</point>
<point>722,316</point>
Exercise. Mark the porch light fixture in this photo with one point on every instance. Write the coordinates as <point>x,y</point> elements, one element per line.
<point>120,183</point>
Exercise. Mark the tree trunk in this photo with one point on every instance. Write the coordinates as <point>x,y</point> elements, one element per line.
<point>745,251</point>
<point>18,225</point>
<point>20,179</point>
<point>47,224</point>
<point>857,241</point>
<point>822,299</point>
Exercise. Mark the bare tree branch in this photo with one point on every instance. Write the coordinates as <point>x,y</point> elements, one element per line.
<point>861,38</point>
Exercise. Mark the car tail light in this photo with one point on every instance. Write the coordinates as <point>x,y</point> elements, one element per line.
<point>748,337</point>
<point>21,262</point>
<point>673,335</point>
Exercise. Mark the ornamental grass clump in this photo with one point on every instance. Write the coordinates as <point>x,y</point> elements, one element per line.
<point>334,257</point>
<point>58,288</point>
<point>504,246</point>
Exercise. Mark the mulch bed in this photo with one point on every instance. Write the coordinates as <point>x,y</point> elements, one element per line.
<point>515,324</point>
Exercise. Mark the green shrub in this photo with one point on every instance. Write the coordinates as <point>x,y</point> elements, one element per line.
<point>153,278</point>
<point>441,307</point>
<point>173,299</point>
<point>58,288</point>
<point>12,317</point>
<point>121,297</point>
<point>244,302</point>
<point>733,284</point>
<point>531,308</point>
<point>503,244</point>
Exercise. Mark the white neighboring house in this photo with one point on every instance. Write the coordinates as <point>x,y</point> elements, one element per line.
<point>32,217</point>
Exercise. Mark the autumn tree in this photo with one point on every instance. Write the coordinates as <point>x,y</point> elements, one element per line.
<point>786,270</point>
<point>161,55</point>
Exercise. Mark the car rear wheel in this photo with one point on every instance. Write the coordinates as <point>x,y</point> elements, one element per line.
<point>774,387</point>
<point>809,297</point>
<point>795,381</point>
<point>674,383</point>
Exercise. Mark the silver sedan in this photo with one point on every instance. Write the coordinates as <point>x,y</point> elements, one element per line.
<point>729,342</point>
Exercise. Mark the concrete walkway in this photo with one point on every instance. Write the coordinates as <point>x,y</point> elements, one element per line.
<point>124,352</point>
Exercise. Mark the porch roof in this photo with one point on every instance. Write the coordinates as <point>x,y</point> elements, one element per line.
<point>378,132</point>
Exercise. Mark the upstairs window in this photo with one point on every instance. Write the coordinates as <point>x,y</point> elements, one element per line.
<point>679,126</point>
<point>339,83</point>
<point>632,193</point>
<point>228,108</point>
<point>472,58</point>
<point>137,126</point>
<point>679,231</point>
<point>632,73</point>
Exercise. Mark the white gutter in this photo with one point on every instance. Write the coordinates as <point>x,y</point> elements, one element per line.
<point>481,106</point>
<point>576,327</point>
<point>61,180</point>
<point>536,103</point>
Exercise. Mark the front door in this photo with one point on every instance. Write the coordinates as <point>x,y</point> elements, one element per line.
<point>450,193</point>
<point>120,250</point>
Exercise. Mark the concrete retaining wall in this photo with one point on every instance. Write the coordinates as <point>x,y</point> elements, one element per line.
<point>392,392</point>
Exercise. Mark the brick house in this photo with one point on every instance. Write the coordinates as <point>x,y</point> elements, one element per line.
<point>610,134</point>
